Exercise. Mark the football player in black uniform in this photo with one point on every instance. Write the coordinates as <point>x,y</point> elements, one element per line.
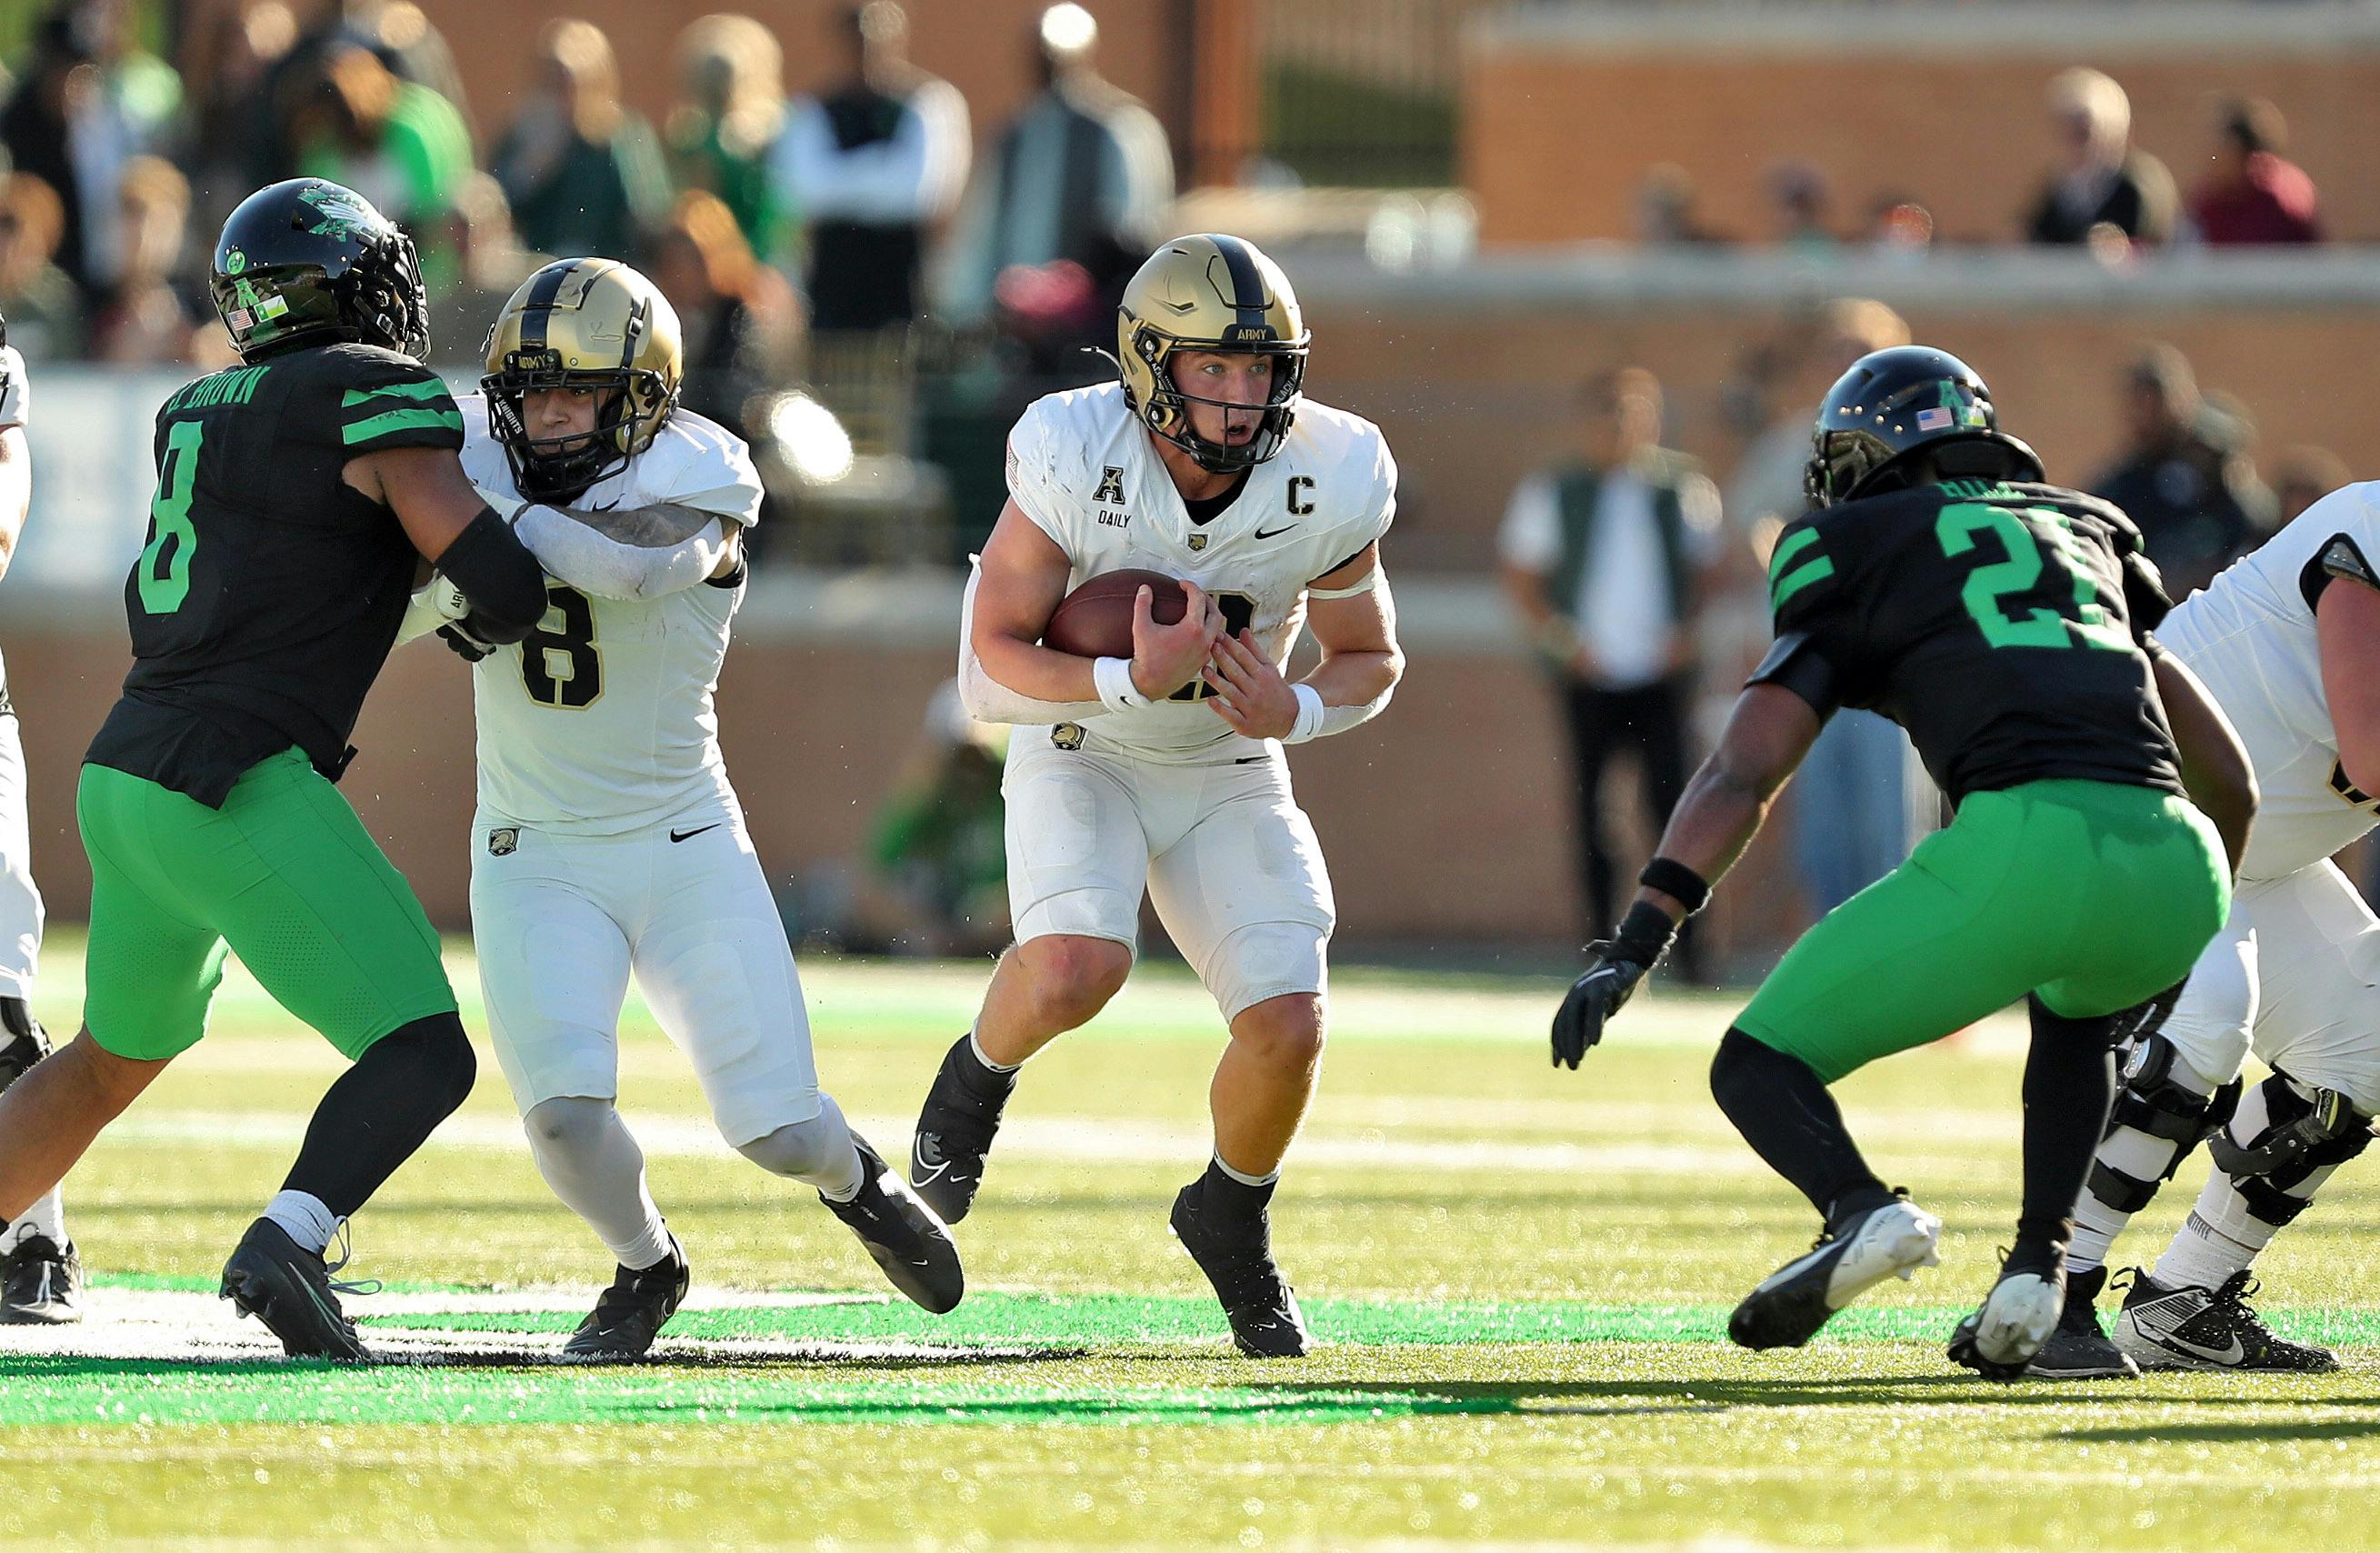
<point>297,495</point>
<point>2003,622</point>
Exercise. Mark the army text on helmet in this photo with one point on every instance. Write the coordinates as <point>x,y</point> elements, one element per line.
<point>1211,292</point>
<point>582,323</point>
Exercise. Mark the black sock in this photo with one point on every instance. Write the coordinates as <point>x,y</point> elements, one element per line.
<point>1783,1111</point>
<point>382,1109</point>
<point>1232,1199</point>
<point>986,1086</point>
<point>2070,1081</point>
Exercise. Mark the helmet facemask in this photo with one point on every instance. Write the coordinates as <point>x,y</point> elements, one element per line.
<point>1166,412</point>
<point>557,469</point>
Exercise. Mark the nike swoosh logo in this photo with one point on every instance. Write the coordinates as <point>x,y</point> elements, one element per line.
<point>690,835</point>
<point>1269,533</point>
<point>2162,1330</point>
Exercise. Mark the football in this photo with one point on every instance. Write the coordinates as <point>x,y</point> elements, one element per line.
<point>1095,620</point>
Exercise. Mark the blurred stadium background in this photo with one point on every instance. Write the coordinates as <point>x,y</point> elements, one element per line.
<point>1484,204</point>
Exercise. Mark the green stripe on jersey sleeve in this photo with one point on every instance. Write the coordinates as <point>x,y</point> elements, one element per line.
<point>1797,580</point>
<point>421,388</point>
<point>1788,547</point>
<point>393,421</point>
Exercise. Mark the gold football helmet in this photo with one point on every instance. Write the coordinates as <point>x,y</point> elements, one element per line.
<point>587,323</point>
<point>1219,293</point>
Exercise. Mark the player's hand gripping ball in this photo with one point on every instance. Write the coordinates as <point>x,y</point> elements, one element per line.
<point>1095,620</point>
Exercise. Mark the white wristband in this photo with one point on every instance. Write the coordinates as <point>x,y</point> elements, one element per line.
<point>1309,714</point>
<point>1113,678</point>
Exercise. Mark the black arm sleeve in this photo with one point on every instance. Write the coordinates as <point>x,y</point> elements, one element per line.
<point>498,574</point>
<point>1795,664</point>
<point>2145,601</point>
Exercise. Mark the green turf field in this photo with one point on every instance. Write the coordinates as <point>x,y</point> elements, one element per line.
<point>1521,1276</point>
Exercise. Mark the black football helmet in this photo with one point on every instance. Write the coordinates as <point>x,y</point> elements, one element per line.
<point>1894,404</point>
<point>308,261</point>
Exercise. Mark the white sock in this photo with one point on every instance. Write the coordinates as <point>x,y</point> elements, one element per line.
<point>47,1218</point>
<point>1243,1178</point>
<point>2221,1236</point>
<point>974,1044</point>
<point>2141,1155</point>
<point>304,1217</point>
<point>586,1154</point>
<point>819,1151</point>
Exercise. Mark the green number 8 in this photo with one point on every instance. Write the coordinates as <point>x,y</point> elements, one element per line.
<point>165,580</point>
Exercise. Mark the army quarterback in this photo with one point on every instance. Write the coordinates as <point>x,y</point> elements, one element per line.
<point>2003,622</point>
<point>296,495</point>
<point>41,1277</point>
<point>608,840</point>
<point>2288,641</point>
<point>1162,773</point>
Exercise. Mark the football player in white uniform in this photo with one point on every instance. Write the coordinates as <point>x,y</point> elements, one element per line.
<point>41,1277</point>
<point>1163,774</point>
<point>607,839</point>
<point>2287,641</point>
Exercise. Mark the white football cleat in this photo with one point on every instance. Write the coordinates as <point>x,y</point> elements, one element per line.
<point>1792,1303</point>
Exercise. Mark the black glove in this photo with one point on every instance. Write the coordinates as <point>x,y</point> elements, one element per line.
<point>466,645</point>
<point>1615,966</point>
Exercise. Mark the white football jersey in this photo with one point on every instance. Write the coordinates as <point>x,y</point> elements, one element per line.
<point>2250,636</point>
<point>601,720</point>
<point>1082,466</point>
<point>16,396</point>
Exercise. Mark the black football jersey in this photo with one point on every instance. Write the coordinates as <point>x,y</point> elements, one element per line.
<point>270,591</point>
<point>2001,625</point>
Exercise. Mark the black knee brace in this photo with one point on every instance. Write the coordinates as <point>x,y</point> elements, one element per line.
<point>2304,1132</point>
<point>2147,1101</point>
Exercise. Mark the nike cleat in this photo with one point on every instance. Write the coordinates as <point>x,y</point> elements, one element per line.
<point>1789,1305</point>
<point>2191,1328</point>
<point>630,1313</point>
<point>902,1231</point>
<point>41,1283</point>
<point>954,1131</point>
<point>2080,1349</point>
<point>1237,1259</point>
<point>289,1289</point>
<point>2017,1317</point>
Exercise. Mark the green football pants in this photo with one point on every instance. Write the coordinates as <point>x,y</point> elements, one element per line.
<point>2093,896</point>
<point>283,874</point>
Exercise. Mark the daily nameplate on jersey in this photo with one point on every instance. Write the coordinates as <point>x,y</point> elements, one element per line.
<point>1081,466</point>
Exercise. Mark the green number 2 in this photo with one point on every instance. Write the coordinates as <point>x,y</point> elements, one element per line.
<point>166,579</point>
<point>1987,586</point>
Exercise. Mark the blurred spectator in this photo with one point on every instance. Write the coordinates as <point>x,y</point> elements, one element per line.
<point>1851,824</point>
<point>2102,180</point>
<point>395,33</point>
<point>873,166</point>
<point>2252,196</point>
<point>738,314</point>
<point>489,265</point>
<point>582,173</point>
<point>937,864</point>
<point>1798,194</point>
<point>1664,208</point>
<point>1082,174</point>
<point>1606,553</point>
<point>731,111</point>
<point>44,314</point>
<point>398,144</point>
<point>2184,475</point>
<point>237,127</point>
<point>59,126</point>
<point>1901,228</point>
<point>2302,476</point>
<point>145,319</point>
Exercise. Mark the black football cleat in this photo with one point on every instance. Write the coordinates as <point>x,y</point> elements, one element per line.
<point>2000,1340</point>
<point>1785,1309</point>
<point>2080,1349</point>
<point>630,1313</point>
<point>903,1232</point>
<point>2191,1328</point>
<point>41,1283</point>
<point>954,1131</point>
<point>289,1289</point>
<point>1237,1259</point>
